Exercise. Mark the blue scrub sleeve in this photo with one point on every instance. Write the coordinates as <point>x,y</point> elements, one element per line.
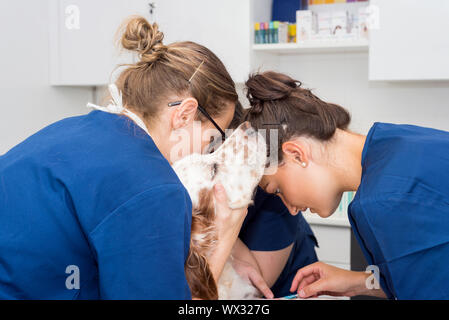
<point>142,246</point>
<point>408,239</point>
<point>269,226</point>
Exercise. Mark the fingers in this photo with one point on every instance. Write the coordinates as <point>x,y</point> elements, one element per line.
<point>260,284</point>
<point>313,289</point>
<point>220,194</point>
<point>221,202</point>
<point>222,205</point>
<point>319,277</point>
<point>302,273</point>
<point>306,281</point>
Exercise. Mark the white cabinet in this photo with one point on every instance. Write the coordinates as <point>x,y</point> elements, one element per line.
<point>221,26</point>
<point>225,27</point>
<point>82,39</point>
<point>335,245</point>
<point>411,42</point>
<point>87,56</point>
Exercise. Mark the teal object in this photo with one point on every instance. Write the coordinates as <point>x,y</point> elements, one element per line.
<point>271,33</point>
<point>267,33</point>
<point>276,32</point>
<point>256,33</point>
<point>263,33</point>
<point>290,297</point>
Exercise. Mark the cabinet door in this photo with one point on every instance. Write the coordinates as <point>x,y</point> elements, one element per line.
<point>334,244</point>
<point>222,26</point>
<point>411,42</point>
<point>82,39</point>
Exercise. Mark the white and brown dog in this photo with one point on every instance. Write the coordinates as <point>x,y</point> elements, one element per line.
<point>238,164</point>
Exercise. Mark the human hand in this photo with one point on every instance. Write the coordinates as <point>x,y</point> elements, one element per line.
<point>323,279</point>
<point>251,274</point>
<point>228,221</point>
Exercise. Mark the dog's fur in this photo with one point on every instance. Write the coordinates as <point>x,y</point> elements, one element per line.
<point>238,164</point>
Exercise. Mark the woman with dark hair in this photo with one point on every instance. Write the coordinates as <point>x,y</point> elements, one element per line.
<point>400,214</point>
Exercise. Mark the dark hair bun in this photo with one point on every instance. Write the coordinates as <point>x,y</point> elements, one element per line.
<point>277,99</point>
<point>268,87</point>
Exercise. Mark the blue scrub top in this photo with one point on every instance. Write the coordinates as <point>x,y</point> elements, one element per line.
<point>92,192</point>
<point>400,214</point>
<point>270,227</point>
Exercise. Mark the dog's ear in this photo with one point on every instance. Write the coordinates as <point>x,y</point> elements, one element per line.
<point>203,238</point>
<point>199,276</point>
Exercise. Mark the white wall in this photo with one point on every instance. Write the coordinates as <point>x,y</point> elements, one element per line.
<point>27,102</point>
<point>343,78</point>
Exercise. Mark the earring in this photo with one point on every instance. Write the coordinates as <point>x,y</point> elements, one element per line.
<point>304,164</point>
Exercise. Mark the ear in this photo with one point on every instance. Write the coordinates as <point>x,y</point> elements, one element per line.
<point>296,151</point>
<point>184,113</point>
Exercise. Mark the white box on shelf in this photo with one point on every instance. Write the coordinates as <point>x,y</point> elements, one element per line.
<point>353,25</point>
<point>305,25</point>
<point>324,25</point>
<point>363,23</point>
<point>339,24</point>
<point>283,32</point>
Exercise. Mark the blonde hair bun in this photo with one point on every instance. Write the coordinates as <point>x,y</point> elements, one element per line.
<point>144,38</point>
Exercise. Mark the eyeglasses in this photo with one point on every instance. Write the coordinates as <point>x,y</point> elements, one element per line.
<point>206,114</point>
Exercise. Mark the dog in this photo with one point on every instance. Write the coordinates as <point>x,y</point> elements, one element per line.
<point>238,164</point>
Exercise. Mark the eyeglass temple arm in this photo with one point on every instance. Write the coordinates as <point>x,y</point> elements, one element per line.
<point>204,112</point>
<point>211,120</point>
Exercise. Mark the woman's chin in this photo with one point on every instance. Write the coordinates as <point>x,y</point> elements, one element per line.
<point>321,213</point>
<point>317,212</point>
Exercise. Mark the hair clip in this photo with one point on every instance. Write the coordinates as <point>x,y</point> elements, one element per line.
<point>197,69</point>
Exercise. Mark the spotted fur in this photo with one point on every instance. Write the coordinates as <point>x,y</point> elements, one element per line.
<point>238,164</point>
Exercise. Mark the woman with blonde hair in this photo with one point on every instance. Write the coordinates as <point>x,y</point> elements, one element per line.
<point>90,207</point>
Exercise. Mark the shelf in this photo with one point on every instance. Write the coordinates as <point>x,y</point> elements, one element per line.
<point>314,46</point>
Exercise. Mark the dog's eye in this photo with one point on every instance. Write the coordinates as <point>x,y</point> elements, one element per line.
<point>214,169</point>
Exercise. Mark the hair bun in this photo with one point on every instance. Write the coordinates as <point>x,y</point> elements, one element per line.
<point>268,87</point>
<point>144,38</point>
<point>257,104</point>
